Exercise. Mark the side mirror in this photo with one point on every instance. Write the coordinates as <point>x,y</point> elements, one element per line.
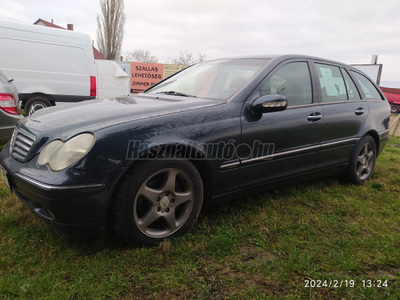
<point>269,103</point>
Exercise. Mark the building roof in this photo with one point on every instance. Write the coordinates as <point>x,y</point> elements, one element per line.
<point>96,53</point>
<point>48,24</point>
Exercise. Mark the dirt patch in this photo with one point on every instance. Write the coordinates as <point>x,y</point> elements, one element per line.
<point>253,256</point>
<point>365,233</point>
<point>379,274</point>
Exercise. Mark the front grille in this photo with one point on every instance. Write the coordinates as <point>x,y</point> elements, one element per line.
<point>21,144</point>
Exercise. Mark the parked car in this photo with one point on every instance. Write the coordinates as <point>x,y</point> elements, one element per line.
<point>9,115</point>
<point>147,164</point>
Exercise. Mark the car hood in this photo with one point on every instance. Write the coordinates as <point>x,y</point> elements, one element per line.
<point>93,115</point>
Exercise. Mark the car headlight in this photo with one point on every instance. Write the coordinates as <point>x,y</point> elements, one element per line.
<point>60,155</point>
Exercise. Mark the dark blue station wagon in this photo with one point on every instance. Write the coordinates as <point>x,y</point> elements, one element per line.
<point>148,163</point>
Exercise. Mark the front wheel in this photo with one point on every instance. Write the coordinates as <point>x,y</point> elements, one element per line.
<point>363,161</point>
<point>158,200</point>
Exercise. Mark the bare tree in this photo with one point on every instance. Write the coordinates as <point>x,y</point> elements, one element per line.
<point>187,59</point>
<point>202,57</point>
<point>140,55</point>
<point>110,28</point>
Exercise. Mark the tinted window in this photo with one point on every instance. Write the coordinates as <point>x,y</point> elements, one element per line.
<point>331,83</point>
<point>351,87</point>
<point>292,81</point>
<point>368,88</point>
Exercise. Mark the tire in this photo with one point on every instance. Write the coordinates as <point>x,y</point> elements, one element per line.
<point>157,200</point>
<point>394,109</point>
<point>35,104</point>
<point>363,161</point>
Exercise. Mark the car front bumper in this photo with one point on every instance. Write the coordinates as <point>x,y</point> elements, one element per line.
<point>77,206</point>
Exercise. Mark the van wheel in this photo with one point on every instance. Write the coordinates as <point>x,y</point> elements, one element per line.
<point>35,104</point>
<point>394,109</point>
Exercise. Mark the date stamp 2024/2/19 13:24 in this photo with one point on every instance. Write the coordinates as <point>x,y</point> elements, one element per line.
<point>365,283</point>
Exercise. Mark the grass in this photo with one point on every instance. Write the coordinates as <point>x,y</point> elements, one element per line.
<point>261,247</point>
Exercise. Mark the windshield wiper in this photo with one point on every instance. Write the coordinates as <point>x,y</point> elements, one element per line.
<point>175,94</point>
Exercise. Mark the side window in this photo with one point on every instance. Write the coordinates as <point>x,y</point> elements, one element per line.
<point>331,83</point>
<point>368,88</point>
<point>292,81</point>
<point>351,87</point>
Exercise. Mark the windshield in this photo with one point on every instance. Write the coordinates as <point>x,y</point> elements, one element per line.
<point>214,80</point>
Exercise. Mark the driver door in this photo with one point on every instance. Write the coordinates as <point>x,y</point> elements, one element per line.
<point>284,143</point>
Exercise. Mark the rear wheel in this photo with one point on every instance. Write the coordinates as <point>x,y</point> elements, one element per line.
<point>394,109</point>
<point>158,200</point>
<point>363,161</point>
<point>35,104</point>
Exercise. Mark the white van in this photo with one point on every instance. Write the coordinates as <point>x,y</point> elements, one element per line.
<point>48,65</point>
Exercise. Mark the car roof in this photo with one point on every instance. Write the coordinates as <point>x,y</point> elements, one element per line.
<point>282,57</point>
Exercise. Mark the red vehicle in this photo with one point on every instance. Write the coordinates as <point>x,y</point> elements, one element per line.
<point>393,97</point>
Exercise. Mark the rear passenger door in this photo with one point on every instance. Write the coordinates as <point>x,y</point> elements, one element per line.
<point>344,113</point>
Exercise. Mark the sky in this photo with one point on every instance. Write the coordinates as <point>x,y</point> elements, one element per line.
<point>349,31</point>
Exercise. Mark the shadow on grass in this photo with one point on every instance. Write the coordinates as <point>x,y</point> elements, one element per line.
<point>223,214</point>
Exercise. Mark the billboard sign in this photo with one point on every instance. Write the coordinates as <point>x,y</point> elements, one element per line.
<point>172,69</point>
<point>373,71</point>
<point>144,75</point>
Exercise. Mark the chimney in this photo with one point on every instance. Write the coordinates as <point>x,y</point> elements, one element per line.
<point>70,27</point>
<point>51,21</point>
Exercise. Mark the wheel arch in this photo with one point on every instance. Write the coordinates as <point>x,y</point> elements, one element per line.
<point>375,136</point>
<point>27,97</point>
<point>192,154</point>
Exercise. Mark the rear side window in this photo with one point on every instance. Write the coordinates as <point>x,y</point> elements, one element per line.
<point>351,87</point>
<point>292,81</point>
<point>368,88</point>
<point>331,83</point>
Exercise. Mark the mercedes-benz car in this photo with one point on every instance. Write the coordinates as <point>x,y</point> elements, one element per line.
<point>147,164</point>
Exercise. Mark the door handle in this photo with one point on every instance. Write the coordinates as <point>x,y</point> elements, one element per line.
<point>359,111</point>
<point>314,117</point>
